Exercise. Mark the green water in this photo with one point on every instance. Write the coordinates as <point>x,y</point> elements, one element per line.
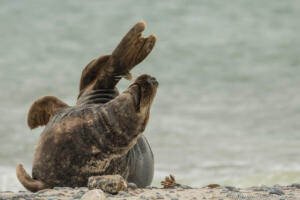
<point>228,107</point>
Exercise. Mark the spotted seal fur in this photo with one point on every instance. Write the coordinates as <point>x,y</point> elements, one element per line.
<point>102,133</point>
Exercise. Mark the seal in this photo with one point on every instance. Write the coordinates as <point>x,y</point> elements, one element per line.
<point>102,133</point>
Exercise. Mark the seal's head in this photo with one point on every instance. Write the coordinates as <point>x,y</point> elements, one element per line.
<point>144,88</point>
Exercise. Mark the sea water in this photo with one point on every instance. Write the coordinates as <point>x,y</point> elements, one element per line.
<point>227,109</point>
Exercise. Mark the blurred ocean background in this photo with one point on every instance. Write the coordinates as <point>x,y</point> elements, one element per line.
<point>228,107</point>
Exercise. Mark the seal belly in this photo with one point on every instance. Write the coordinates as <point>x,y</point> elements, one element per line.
<point>141,163</point>
<point>100,96</point>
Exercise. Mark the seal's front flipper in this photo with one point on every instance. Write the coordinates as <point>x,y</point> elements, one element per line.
<point>43,109</point>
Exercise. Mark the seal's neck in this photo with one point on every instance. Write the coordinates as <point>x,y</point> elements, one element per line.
<point>100,96</point>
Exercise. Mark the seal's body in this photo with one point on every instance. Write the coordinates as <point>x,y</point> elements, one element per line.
<point>102,133</point>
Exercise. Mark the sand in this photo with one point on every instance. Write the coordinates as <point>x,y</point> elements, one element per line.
<point>275,192</point>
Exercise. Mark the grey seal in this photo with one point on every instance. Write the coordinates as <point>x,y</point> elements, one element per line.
<point>102,133</point>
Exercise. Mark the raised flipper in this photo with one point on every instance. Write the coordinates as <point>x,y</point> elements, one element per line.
<point>92,70</point>
<point>132,49</point>
<point>43,109</point>
<point>106,71</point>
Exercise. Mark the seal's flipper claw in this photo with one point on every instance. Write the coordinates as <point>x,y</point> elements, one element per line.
<point>147,47</point>
<point>43,109</point>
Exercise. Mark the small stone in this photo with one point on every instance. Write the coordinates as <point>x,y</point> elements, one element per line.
<point>251,188</point>
<point>186,187</point>
<point>231,188</point>
<point>108,195</point>
<point>159,196</point>
<point>262,188</point>
<point>124,194</point>
<point>276,191</point>
<point>43,191</point>
<point>148,187</point>
<point>277,186</point>
<point>108,183</point>
<point>78,195</point>
<point>132,186</point>
<point>95,194</point>
<point>213,185</point>
<point>83,189</point>
<point>130,194</point>
<point>296,185</point>
<point>174,199</point>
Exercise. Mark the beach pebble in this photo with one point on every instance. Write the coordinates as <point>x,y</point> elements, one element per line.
<point>132,186</point>
<point>124,194</point>
<point>43,191</point>
<point>78,195</point>
<point>148,187</point>
<point>277,186</point>
<point>159,196</point>
<point>276,191</point>
<point>95,194</point>
<point>186,187</point>
<point>296,185</point>
<point>231,188</point>
<point>108,183</point>
<point>262,188</point>
<point>224,191</point>
<point>167,195</point>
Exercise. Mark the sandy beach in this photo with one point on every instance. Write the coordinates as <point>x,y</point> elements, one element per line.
<point>276,192</point>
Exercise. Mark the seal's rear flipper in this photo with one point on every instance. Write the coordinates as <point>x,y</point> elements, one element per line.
<point>106,71</point>
<point>43,109</point>
<point>132,49</point>
<point>28,182</point>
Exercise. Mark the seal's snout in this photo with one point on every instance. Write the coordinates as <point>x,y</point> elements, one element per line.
<point>146,80</point>
<point>154,81</point>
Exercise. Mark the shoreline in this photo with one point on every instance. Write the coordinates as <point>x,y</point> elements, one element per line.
<point>214,191</point>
